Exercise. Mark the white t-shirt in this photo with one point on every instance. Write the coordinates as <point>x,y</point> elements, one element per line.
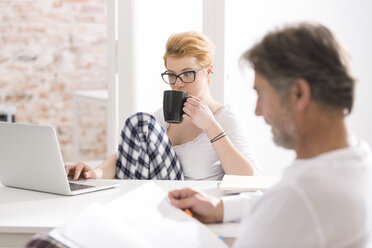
<point>198,159</point>
<point>321,202</point>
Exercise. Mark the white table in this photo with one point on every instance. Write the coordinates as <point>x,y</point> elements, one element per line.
<point>24,213</point>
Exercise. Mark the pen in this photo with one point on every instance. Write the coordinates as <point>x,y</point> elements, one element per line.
<point>218,235</point>
<point>188,212</point>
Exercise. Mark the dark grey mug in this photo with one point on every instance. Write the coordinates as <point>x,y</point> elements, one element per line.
<point>173,101</point>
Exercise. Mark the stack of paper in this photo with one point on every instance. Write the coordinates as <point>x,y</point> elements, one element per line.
<point>143,217</point>
<point>247,183</point>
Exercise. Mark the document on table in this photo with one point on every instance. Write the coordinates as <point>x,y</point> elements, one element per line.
<point>143,217</point>
<point>247,183</point>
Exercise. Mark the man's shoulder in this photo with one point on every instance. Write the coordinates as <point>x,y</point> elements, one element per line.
<point>343,170</point>
<point>322,188</point>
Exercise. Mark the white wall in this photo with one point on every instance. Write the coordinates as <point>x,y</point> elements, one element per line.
<point>155,21</point>
<point>248,21</point>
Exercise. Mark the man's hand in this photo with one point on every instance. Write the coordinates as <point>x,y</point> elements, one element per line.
<point>206,208</point>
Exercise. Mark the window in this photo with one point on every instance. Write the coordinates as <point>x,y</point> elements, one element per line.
<point>247,21</point>
<point>142,28</point>
<point>155,21</point>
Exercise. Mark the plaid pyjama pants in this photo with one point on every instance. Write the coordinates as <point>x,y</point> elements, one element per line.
<point>145,151</point>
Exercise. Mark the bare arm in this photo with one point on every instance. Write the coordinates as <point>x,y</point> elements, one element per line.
<point>232,160</point>
<point>105,170</point>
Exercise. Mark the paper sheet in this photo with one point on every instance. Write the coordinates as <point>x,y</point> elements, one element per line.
<point>141,218</point>
<point>94,227</point>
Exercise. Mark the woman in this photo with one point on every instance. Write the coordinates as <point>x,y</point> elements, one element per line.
<point>209,143</point>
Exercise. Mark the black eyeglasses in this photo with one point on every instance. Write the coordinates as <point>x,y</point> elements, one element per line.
<point>186,77</point>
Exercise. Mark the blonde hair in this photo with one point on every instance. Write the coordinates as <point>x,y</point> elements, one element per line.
<point>193,44</point>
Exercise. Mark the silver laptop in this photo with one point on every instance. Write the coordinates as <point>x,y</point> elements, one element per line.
<point>30,158</point>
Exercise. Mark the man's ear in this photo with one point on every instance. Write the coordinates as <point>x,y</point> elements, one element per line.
<point>301,93</point>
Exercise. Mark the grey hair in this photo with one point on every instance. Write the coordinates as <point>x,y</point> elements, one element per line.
<point>308,51</point>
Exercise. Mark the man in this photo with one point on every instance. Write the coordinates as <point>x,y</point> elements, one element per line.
<point>305,91</point>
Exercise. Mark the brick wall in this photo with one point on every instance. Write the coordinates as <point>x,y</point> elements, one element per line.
<point>49,49</point>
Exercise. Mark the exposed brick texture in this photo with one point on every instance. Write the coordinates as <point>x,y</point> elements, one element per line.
<point>49,49</point>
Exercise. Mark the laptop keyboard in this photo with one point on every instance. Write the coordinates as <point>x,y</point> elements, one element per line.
<point>77,186</point>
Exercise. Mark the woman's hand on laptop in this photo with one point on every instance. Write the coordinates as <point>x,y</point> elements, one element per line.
<point>80,170</point>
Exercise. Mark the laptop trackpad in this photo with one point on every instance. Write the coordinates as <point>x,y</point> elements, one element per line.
<point>78,186</point>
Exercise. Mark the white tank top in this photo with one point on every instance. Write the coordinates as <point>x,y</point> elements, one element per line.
<point>198,159</point>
